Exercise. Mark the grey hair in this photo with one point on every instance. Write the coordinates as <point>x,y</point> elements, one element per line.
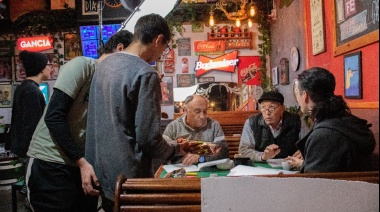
<point>191,98</point>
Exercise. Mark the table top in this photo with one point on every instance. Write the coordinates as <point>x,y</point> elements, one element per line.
<point>207,171</point>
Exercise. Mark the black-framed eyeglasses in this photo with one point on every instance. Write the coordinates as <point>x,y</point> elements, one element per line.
<point>167,50</point>
<point>269,109</point>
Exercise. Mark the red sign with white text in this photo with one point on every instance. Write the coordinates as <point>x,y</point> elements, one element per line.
<point>248,70</point>
<point>209,46</point>
<point>35,44</point>
<point>225,63</point>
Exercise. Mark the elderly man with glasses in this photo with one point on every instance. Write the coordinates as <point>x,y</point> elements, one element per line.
<point>272,133</point>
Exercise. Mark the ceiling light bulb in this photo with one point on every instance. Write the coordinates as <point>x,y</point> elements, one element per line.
<point>238,22</point>
<point>250,23</point>
<point>211,22</point>
<point>252,11</point>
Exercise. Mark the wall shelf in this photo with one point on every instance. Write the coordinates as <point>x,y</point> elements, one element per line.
<point>242,40</point>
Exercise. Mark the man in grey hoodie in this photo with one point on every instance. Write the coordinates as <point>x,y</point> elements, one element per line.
<point>338,141</point>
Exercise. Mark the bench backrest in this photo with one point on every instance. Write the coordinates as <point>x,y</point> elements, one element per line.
<point>233,145</point>
<point>158,194</point>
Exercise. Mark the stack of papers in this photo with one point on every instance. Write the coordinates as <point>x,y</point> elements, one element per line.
<point>241,170</point>
<point>193,168</point>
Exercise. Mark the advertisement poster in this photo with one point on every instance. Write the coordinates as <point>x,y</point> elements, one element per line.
<point>248,70</point>
<point>167,90</point>
<point>185,80</point>
<point>5,69</point>
<point>184,47</point>
<point>6,95</point>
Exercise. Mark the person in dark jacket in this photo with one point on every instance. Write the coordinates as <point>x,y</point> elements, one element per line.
<point>273,133</point>
<point>28,101</point>
<point>338,141</point>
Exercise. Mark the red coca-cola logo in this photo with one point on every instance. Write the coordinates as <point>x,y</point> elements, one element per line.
<point>206,45</point>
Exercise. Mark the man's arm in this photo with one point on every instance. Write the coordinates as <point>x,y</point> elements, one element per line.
<point>56,121</point>
<point>247,143</point>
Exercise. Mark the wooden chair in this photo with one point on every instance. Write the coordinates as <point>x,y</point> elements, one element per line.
<point>152,194</point>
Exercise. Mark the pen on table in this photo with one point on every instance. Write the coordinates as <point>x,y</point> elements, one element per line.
<point>191,173</point>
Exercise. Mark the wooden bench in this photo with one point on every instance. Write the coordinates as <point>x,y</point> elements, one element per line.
<point>233,145</point>
<point>184,194</point>
<point>158,194</point>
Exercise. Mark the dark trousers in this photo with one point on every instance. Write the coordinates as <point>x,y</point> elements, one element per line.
<point>107,204</point>
<point>57,187</point>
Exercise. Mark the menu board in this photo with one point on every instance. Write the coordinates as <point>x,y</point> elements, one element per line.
<point>354,20</point>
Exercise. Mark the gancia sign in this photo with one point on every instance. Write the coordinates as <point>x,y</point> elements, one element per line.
<point>35,44</point>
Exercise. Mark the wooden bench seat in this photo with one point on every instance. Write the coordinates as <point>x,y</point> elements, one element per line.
<point>233,145</point>
<point>184,194</point>
<point>158,194</point>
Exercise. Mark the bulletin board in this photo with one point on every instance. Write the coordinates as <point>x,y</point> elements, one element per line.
<point>356,24</point>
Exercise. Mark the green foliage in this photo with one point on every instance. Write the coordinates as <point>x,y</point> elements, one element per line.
<point>297,110</point>
<point>264,50</point>
<point>19,171</point>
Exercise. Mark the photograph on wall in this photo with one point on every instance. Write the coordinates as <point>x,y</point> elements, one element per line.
<point>5,95</point>
<point>353,76</point>
<point>284,70</point>
<point>6,48</point>
<point>167,90</point>
<point>53,64</point>
<point>72,46</point>
<point>248,70</point>
<point>62,4</point>
<point>20,73</point>
<point>184,47</point>
<point>185,80</point>
<point>275,76</point>
<point>5,69</point>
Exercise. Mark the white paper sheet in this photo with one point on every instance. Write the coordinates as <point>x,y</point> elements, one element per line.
<point>242,170</point>
<point>276,163</point>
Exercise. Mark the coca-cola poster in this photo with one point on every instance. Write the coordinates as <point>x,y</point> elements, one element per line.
<point>209,47</point>
<point>248,70</point>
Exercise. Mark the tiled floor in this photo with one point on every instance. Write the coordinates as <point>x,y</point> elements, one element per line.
<point>6,201</point>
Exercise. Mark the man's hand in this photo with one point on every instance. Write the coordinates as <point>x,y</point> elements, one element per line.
<point>294,162</point>
<point>88,177</point>
<point>190,159</point>
<point>298,155</point>
<point>270,152</point>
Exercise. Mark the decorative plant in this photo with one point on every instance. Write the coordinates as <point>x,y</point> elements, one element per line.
<point>297,110</point>
<point>264,51</point>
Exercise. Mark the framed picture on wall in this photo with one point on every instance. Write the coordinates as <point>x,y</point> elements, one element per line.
<point>284,69</point>
<point>275,76</point>
<point>5,95</point>
<point>20,73</point>
<point>72,46</point>
<point>353,75</point>
<point>167,90</point>
<point>5,69</point>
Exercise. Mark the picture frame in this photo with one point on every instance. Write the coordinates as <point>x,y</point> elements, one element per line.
<point>353,76</point>
<point>54,60</point>
<point>167,90</point>
<point>6,95</point>
<point>5,69</point>
<point>185,80</point>
<point>275,75</point>
<point>72,46</point>
<point>284,70</point>
<point>19,69</point>
<point>317,26</point>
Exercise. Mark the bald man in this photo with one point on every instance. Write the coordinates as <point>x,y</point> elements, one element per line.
<point>194,124</point>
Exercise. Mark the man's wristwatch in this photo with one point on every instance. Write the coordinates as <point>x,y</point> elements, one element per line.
<point>201,159</point>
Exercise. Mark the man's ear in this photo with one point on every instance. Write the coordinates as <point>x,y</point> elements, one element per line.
<point>305,96</point>
<point>159,40</point>
<point>119,47</point>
